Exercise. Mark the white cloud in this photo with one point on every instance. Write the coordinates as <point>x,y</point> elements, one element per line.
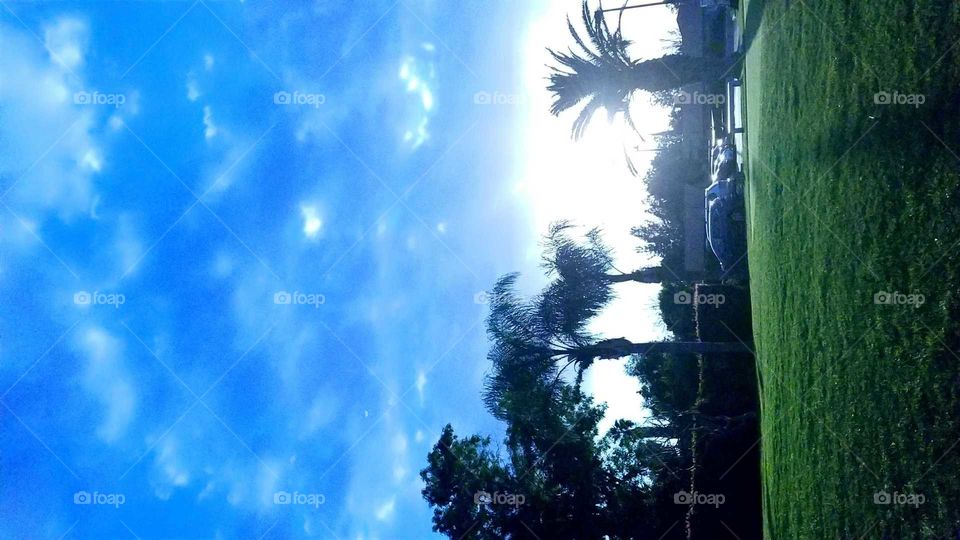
<point>92,160</point>
<point>421,384</point>
<point>193,91</point>
<point>106,379</point>
<point>385,511</point>
<point>312,224</point>
<point>129,109</point>
<point>66,41</point>
<point>173,473</point>
<point>418,73</point>
<point>322,412</point>
<point>127,246</point>
<point>46,141</point>
<point>115,122</point>
<point>192,455</point>
<point>208,62</point>
<point>210,129</point>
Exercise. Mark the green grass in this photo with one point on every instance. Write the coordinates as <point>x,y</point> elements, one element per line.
<point>856,397</point>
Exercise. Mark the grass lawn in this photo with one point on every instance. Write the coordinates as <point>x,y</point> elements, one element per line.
<point>848,198</point>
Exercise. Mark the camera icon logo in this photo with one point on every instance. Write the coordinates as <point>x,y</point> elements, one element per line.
<point>682,298</point>
<point>882,98</point>
<point>881,497</point>
<point>282,98</point>
<point>82,497</point>
<point>482,98</point>
<point>281,497</point>
<point>82,298</point>
<point>282,298</point>
<point>882,298</point>
<point>682,497</point>
<point>683,98</point>
<point>82,98</point>
<point>482,298</point>
<point>482,497</point>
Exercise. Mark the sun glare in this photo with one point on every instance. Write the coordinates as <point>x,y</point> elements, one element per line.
<point>588,182</point>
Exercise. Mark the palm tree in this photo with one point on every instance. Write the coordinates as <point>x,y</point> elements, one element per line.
<point>590,264</point>
<point>604,75</point>
<point>535,341</point>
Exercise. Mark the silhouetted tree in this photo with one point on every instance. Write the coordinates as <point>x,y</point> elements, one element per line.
<point>573,484</point>
<point>589,264</point>
<point>604,76</point>
<point>542,337</point>
<point>458,471</point>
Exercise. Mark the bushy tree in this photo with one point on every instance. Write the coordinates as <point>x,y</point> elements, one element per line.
<point>572,483</point>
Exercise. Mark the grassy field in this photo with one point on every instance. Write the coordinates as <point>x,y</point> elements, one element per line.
<point>849,198</point>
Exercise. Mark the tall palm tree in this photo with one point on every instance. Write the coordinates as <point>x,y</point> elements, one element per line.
<point>534,341</point>
<point>604,75</point>
<point>590,263</point>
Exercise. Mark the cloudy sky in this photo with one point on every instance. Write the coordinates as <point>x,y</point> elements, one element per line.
<point>243,248</point>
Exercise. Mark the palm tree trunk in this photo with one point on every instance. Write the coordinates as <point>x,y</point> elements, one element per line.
<point>656,274</point>
<point>611,349</point>
<point>676,70</point>
<point>653,274</point>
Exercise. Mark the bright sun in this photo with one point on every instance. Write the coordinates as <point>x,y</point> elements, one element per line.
<point>588,182</point>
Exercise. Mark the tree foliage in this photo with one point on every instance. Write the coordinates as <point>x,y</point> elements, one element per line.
<point>595,73</point>
<point>573,484</point>
<point>599,72</point>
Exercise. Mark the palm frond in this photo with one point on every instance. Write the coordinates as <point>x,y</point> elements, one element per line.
<point>595,70</point>
<point>630,166</point>
<point>583,119</point>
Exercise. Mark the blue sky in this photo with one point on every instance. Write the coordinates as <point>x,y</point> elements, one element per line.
<point>242,246</point>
